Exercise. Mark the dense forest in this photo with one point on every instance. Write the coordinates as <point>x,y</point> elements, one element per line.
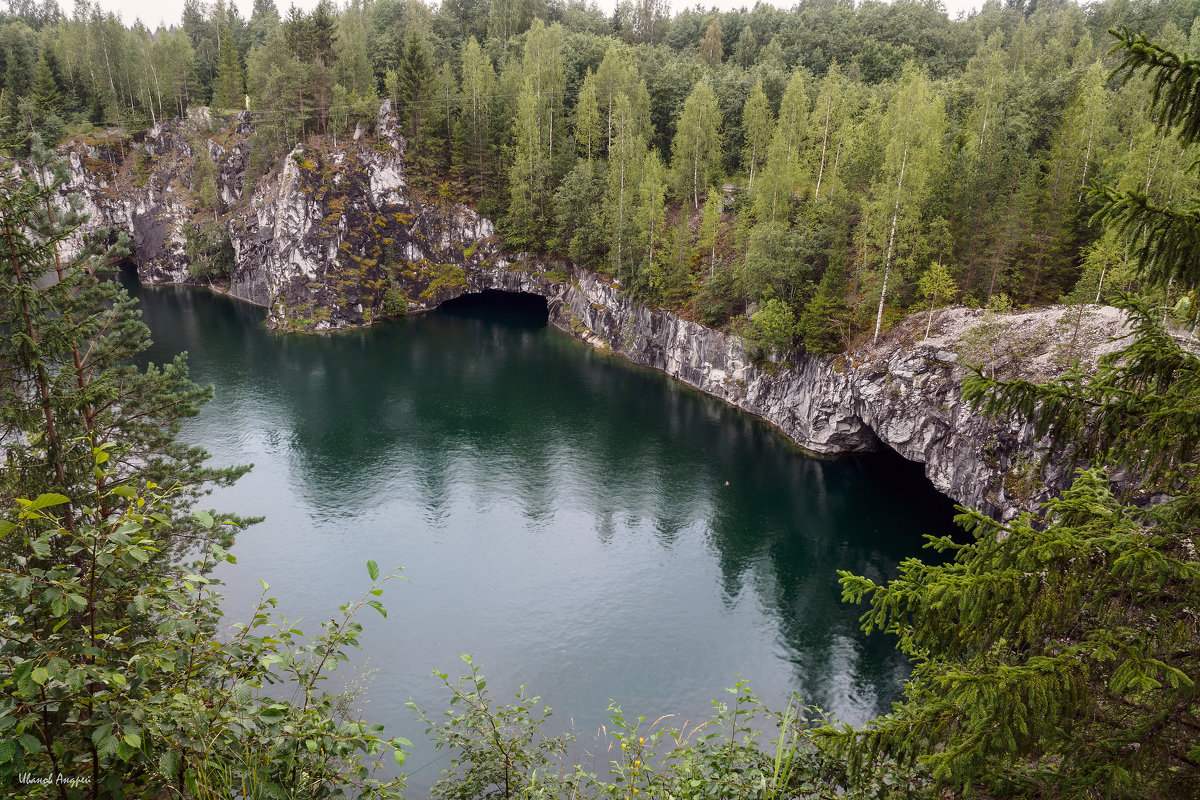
<point>805,174</point>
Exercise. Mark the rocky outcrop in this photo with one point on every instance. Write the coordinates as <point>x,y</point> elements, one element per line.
<point>336,237</point>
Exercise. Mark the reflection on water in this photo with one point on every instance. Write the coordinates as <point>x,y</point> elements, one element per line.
<point>589,528</point>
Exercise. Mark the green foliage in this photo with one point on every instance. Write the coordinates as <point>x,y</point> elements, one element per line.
<point>770,328</point>
<point>209,251</point>
<point>696,150</point>
<point>115,670</point>
<point>1087,679</point>
<point>822,326</point>
<point>504,750</point>
<point>936,284</point>
<point>116,673</point>
<point>229,89</point>
<point>1056,655</point>
<point>68,377</point>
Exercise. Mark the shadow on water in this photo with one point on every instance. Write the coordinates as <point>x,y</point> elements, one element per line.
<point>593,529</point>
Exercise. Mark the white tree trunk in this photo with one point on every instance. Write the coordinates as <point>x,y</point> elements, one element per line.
<point>887,261</point>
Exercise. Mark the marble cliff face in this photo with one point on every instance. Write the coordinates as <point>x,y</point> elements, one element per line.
<point>336,237</point>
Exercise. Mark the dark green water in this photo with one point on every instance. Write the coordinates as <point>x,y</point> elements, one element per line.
<point>586,527</point>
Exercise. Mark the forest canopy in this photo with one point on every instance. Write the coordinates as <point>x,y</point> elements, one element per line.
<point>794,173</point>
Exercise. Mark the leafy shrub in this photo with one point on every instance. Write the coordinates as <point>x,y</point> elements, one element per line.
<point>209,251</point>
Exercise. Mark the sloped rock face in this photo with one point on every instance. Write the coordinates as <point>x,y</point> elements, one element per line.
<point>904,394</point>
<point>330,238</point>
<point>336,237</point>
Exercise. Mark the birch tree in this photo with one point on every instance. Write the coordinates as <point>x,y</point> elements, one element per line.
<point>784,174</point>
<point>624,164</point>
<point>913,129</point>
<point>696,151</point>
<point>757,124</point>
<point>587,118</point>
<point>478,86</point>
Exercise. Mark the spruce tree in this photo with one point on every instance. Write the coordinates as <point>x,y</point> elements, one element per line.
<point>229,88</point>
<point>414,85</point>
<point>12,138</point>
<point>47,99</point>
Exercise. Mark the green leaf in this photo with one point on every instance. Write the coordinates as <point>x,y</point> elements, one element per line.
<point>378,606</point>
<point>400,757</point>
<point>107,747</point>
<point>22,675</point>
<point>6,723</point>
<point>45,501</point>
<point>204,518</point>
<point>128,492</point>
<point>168,764</point>
<point>133,739</point>
<point>6,527</point>
<point>40,675</point>
<point>8,749</point>
<point>22,586</point>
<point>373,570</point>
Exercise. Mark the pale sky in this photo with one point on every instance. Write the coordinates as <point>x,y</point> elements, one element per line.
<point>152,12</point>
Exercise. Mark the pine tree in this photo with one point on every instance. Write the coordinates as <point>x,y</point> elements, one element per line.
<point>71,394</point>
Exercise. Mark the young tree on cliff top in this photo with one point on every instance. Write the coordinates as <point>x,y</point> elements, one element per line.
<point>1056,655</point>
<point>912,128</point>
<point>696,151</point>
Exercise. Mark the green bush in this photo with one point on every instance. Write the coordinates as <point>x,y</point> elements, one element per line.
<point>209,251</point>
<point>115,669</point>
<point>504,750</point>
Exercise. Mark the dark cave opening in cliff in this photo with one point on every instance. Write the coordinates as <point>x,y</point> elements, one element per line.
<point>519,308</point>
<point>127,274</point>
